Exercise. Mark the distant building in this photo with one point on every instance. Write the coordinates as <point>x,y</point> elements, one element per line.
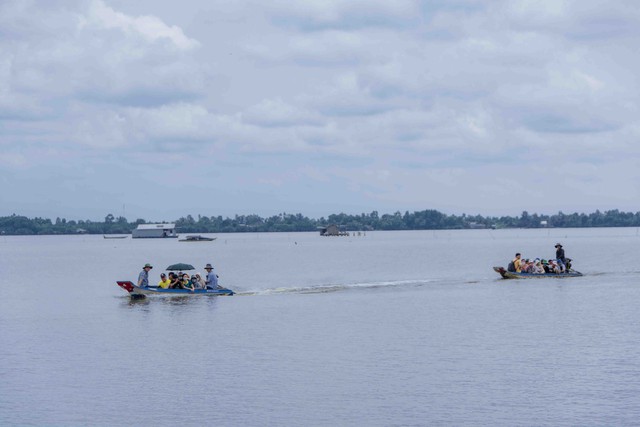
<point>81,231</point>
<point>476,225</point>
<point>151,231</point>
<point>544,224</point>
<point>332,230</point>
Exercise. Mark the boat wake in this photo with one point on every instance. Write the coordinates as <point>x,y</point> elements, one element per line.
<point>614,273</point>
<point>321,289</point>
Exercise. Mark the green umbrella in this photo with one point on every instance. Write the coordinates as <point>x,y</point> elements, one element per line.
<point>180,267</point>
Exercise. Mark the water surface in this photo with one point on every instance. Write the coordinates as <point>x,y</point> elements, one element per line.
<point>391,328</point>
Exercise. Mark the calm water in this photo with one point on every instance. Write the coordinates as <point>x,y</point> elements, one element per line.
<point>387,329</point>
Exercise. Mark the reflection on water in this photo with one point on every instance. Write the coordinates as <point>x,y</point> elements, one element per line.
<point>137,302</point>
<point>180,300</point>
<point>170,304</point>
<point>146,302</point>
<point>129,302</point>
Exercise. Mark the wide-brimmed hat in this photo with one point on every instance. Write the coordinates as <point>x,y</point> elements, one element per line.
<point>557,244</point>
<point>208,266</point>
<point>148,265</point>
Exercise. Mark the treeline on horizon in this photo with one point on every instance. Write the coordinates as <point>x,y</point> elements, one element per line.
<point>420,220</point>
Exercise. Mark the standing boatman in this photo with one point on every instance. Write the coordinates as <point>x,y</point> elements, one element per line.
<point>560,258</point>
<point>143,277</point>
<point>212,278</point>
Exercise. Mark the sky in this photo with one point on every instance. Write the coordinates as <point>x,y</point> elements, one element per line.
<point>157,110</point>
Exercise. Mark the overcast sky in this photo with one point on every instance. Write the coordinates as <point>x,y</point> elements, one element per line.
<point>158,109</point>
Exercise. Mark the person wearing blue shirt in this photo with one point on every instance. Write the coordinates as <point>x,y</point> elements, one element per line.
<point>212,278</point>
<point>143,277</point>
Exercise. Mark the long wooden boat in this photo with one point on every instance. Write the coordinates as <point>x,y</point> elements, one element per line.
<point>511,275</point>
<point>114,237</point>
<point>136,291</point>
<point>197,238</point>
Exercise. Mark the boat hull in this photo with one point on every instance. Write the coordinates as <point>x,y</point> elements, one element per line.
<point>198,239</point>
<point>511,275</point>
<point>134,290</point>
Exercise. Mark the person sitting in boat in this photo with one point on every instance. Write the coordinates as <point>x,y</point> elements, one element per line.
<point>143,277</point>
<point>545,266</point>
<point>514,266</point>
<point>537,267</point>
<point>164,281</point>
<point>554,267</point>
<point>528,266</point>
<point>201,282</point>
<point>176,281</point>
<point>567,264</point>
<point>523,265</point>
<point>194,281</point>
<point>212,278</point>
<point>186,283</point>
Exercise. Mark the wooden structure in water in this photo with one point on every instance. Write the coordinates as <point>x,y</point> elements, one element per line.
<point>333,230</point>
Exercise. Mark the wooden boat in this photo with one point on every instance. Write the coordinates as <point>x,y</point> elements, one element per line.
<point>114,237</point>
<point>511,275</point>
<point>197,238</point>
<point>136,291</point>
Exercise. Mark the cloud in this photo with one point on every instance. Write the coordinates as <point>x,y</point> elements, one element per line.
<point>92,53</point>
<point>362,103</point>
<point>277,112</point>
<point>101,17</point>
<point>323,14</point>
<point>590,20</point>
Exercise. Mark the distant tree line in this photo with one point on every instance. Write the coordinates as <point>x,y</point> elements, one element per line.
<point>420,220</point>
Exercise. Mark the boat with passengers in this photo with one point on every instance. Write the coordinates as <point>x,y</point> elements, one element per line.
<point>136,291</point>
<point>199,289</point>
<point>515,275</point>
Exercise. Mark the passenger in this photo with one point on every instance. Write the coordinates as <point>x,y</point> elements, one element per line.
<point>201,283</point>
<point>176,282</point>
<point>143,277</point>
<point>567,263</point>
<point>545,266</point>
<point>560,258</point>
<point>514,266</point>
<point>527,266</point>
<point>194,281</point>
<point>186,283</point>
<point>537,267</point>
<point>212,278</point>
<point>164,281</point>
<point>553,267</point>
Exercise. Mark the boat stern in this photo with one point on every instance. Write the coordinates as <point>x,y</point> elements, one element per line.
<point>132,289</point>
<point>501,271</point>
<point>126,285</point>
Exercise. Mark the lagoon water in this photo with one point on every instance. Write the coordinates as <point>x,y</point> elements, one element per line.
<point>387,329</point>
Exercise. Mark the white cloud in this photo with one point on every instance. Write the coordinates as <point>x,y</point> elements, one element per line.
<point>277,112</point>
<point>318,14</point>
<point>392,103</point>
<point>100,16</point>
<point>93,53</point>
